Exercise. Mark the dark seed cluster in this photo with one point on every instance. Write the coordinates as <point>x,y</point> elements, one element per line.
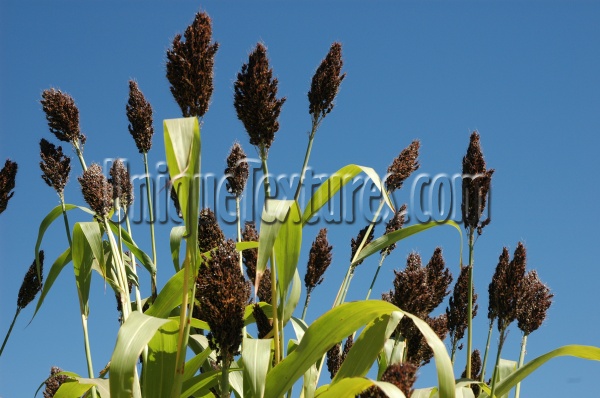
<point>237,170</point>
<point>139,114</point>
<point>263,323</point>
<point>255,99</point>
<point>250,257</point>
<point>476,368</point>
<point>62,115</point>
<point>326,83</point>
<point>403,166</point>
<point>336,356</point>
<point>121,183</point>
<point>457,310</point>
<point>96,189</point>
<point>54,382</point>
<point>402,375</point>
<point>355,242</point>
<point>210,234</point>
<point>223,294</point>
<point>475,186</point>
<point>533,303</point>
<point>8,175</point>
<point>190,65</point>
<point>55,166</point>
<point>395,224</point>
<point>31,283</point>
<point>319,259</point>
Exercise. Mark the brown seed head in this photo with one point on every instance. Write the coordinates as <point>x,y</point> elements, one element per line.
<point>255,99</point>
<point>55,166</point>
<point>121,183</point>
<point>210,234</point>
<point>533,303</point>
<point>237,170</point>
<point>506,286</point>
<point>250,256</point>
<point>334,359</point>
<point>7,183</point>
<point>54,382</point>
<point>475,186</point>
<point>457,310</point>
<point>395,224</point>
<point>62,115</point>
<point>403,166</point>
<point>326,83</point>
<point>402,375</point>
<point>223,294</point>
<point>418,351</point>
<point>190,65</point>
<point>475,371</point>
<point>96,190</point>
<point>319,259</point>
<point>355,242</point>
<point>263,323</point>
<point>139,113</point>
<point>438,279</point>
<point>31,283</point>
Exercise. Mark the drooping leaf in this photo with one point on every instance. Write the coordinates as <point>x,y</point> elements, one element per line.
<point>55,270</point>
<point>335,182</point>
<point>133,335</point>
<point>175,238</point>
<point>194,364</point>
<point>199,384</point>
<point>139,254</point>
<point>287,248</point>
<point>350,387</point>
<point>162,356</point>
<point>386,240</point>
<point>83,252</point>
<point>169,297</point>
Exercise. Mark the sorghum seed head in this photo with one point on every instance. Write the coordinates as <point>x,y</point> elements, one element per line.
<point>190,65</point>
<point>355,242</point>
<point>395,224</point>
<point>250,256</point>
<point>31,283</point>
<point>96,190</point>
<point>495,284</point>
<point>402,375</point>
<point>237,170</point>
<point>506,286</point>
<point>264,291</point>
<point>54,382</point>
<point>139,113</point>
<point>418,350</point>
<point>263,323</point>
<point>533,303</point>
<point>55,166</point>
<point>319,259</point>
<point>210,234</point>
<point>403,166</point>
<point>326,83</point>
<point>7,183</point>
<point>334,359</point>
<point>255,99</point>
<point>438,279</point>
<point>475,185</point>
<point>475,371</point>
<point>62,115</point>
<point>121,183</point>
<point>223,294</point>
<point>457,310</point>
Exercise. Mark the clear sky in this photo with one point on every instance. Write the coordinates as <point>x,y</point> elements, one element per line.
<point>524,74</point>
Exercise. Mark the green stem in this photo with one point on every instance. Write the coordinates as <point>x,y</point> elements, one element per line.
<point>265,170</point>
<point>151,216</point>
<point>79,154</point>
<point>65,218</point>
<point>88,353</point>
<point>306,157</point>
<point>496,370</point>
<point>470,306</point>
<point>487,350</point>
<point>225,379</point>
<point>521,360</point>
<point>120,272</point>
<point>375,276</point>
<point>10,330</point>
<point>239,230</point>
<point>306,301</point>
<point>275,314</point>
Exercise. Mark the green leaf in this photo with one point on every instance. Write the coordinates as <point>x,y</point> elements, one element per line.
<point>384,241</point>
<point>505,369</point>
<point>133,335</point>
<point>177,234</point>
<point>256,358</point>
<point>292,300</point>
<point>139,254</point>
<point>335,182</point>
<point>240,246</point>
<point>169,297</point>
<point>579,351</point>
<point>424,392</point>
<point>55,270</point>
<point>199,384</point>
<point>287,247</point>
<point>337,324</point>
<point>162,356</point>
<point>102,385</point>
<point>367,347</point>
<point>87,241</point>
<point>46,222</point>
<point>194,364</point>
<point>350,387</point>
<point>390,355</point>
<point>72,389</point>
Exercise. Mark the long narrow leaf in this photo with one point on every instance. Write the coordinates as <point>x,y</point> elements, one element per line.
<point>384,241</point>
<point>350,387</point>
<point>55,270</point>
<point>579,351</point>
<point>139,253</point>
<point>169,297</point>
<point>82,265</point>
<point>256,355</point>
<point>162,354</point>
<point>199,384</point>
<point>335,182</point>
<point>133,335</point>
<point>175,238</point>
<point>287,248</point>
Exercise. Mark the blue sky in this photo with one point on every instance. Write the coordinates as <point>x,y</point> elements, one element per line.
<point>524,74</point>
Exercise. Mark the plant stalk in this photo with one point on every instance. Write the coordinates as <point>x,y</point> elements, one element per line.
<point>151,216</point>
<point>79,154</point>
<point>495,374</point>
<point>239,230</point>
<point>10,330</point>
<point>470,306</point>
<point>383,256</point>
<point>487,350</point>
<point>225,379</point>
<point>88,353</point>
<point>306,301</point>
<point>311,139</point>
<point>521,360</point>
